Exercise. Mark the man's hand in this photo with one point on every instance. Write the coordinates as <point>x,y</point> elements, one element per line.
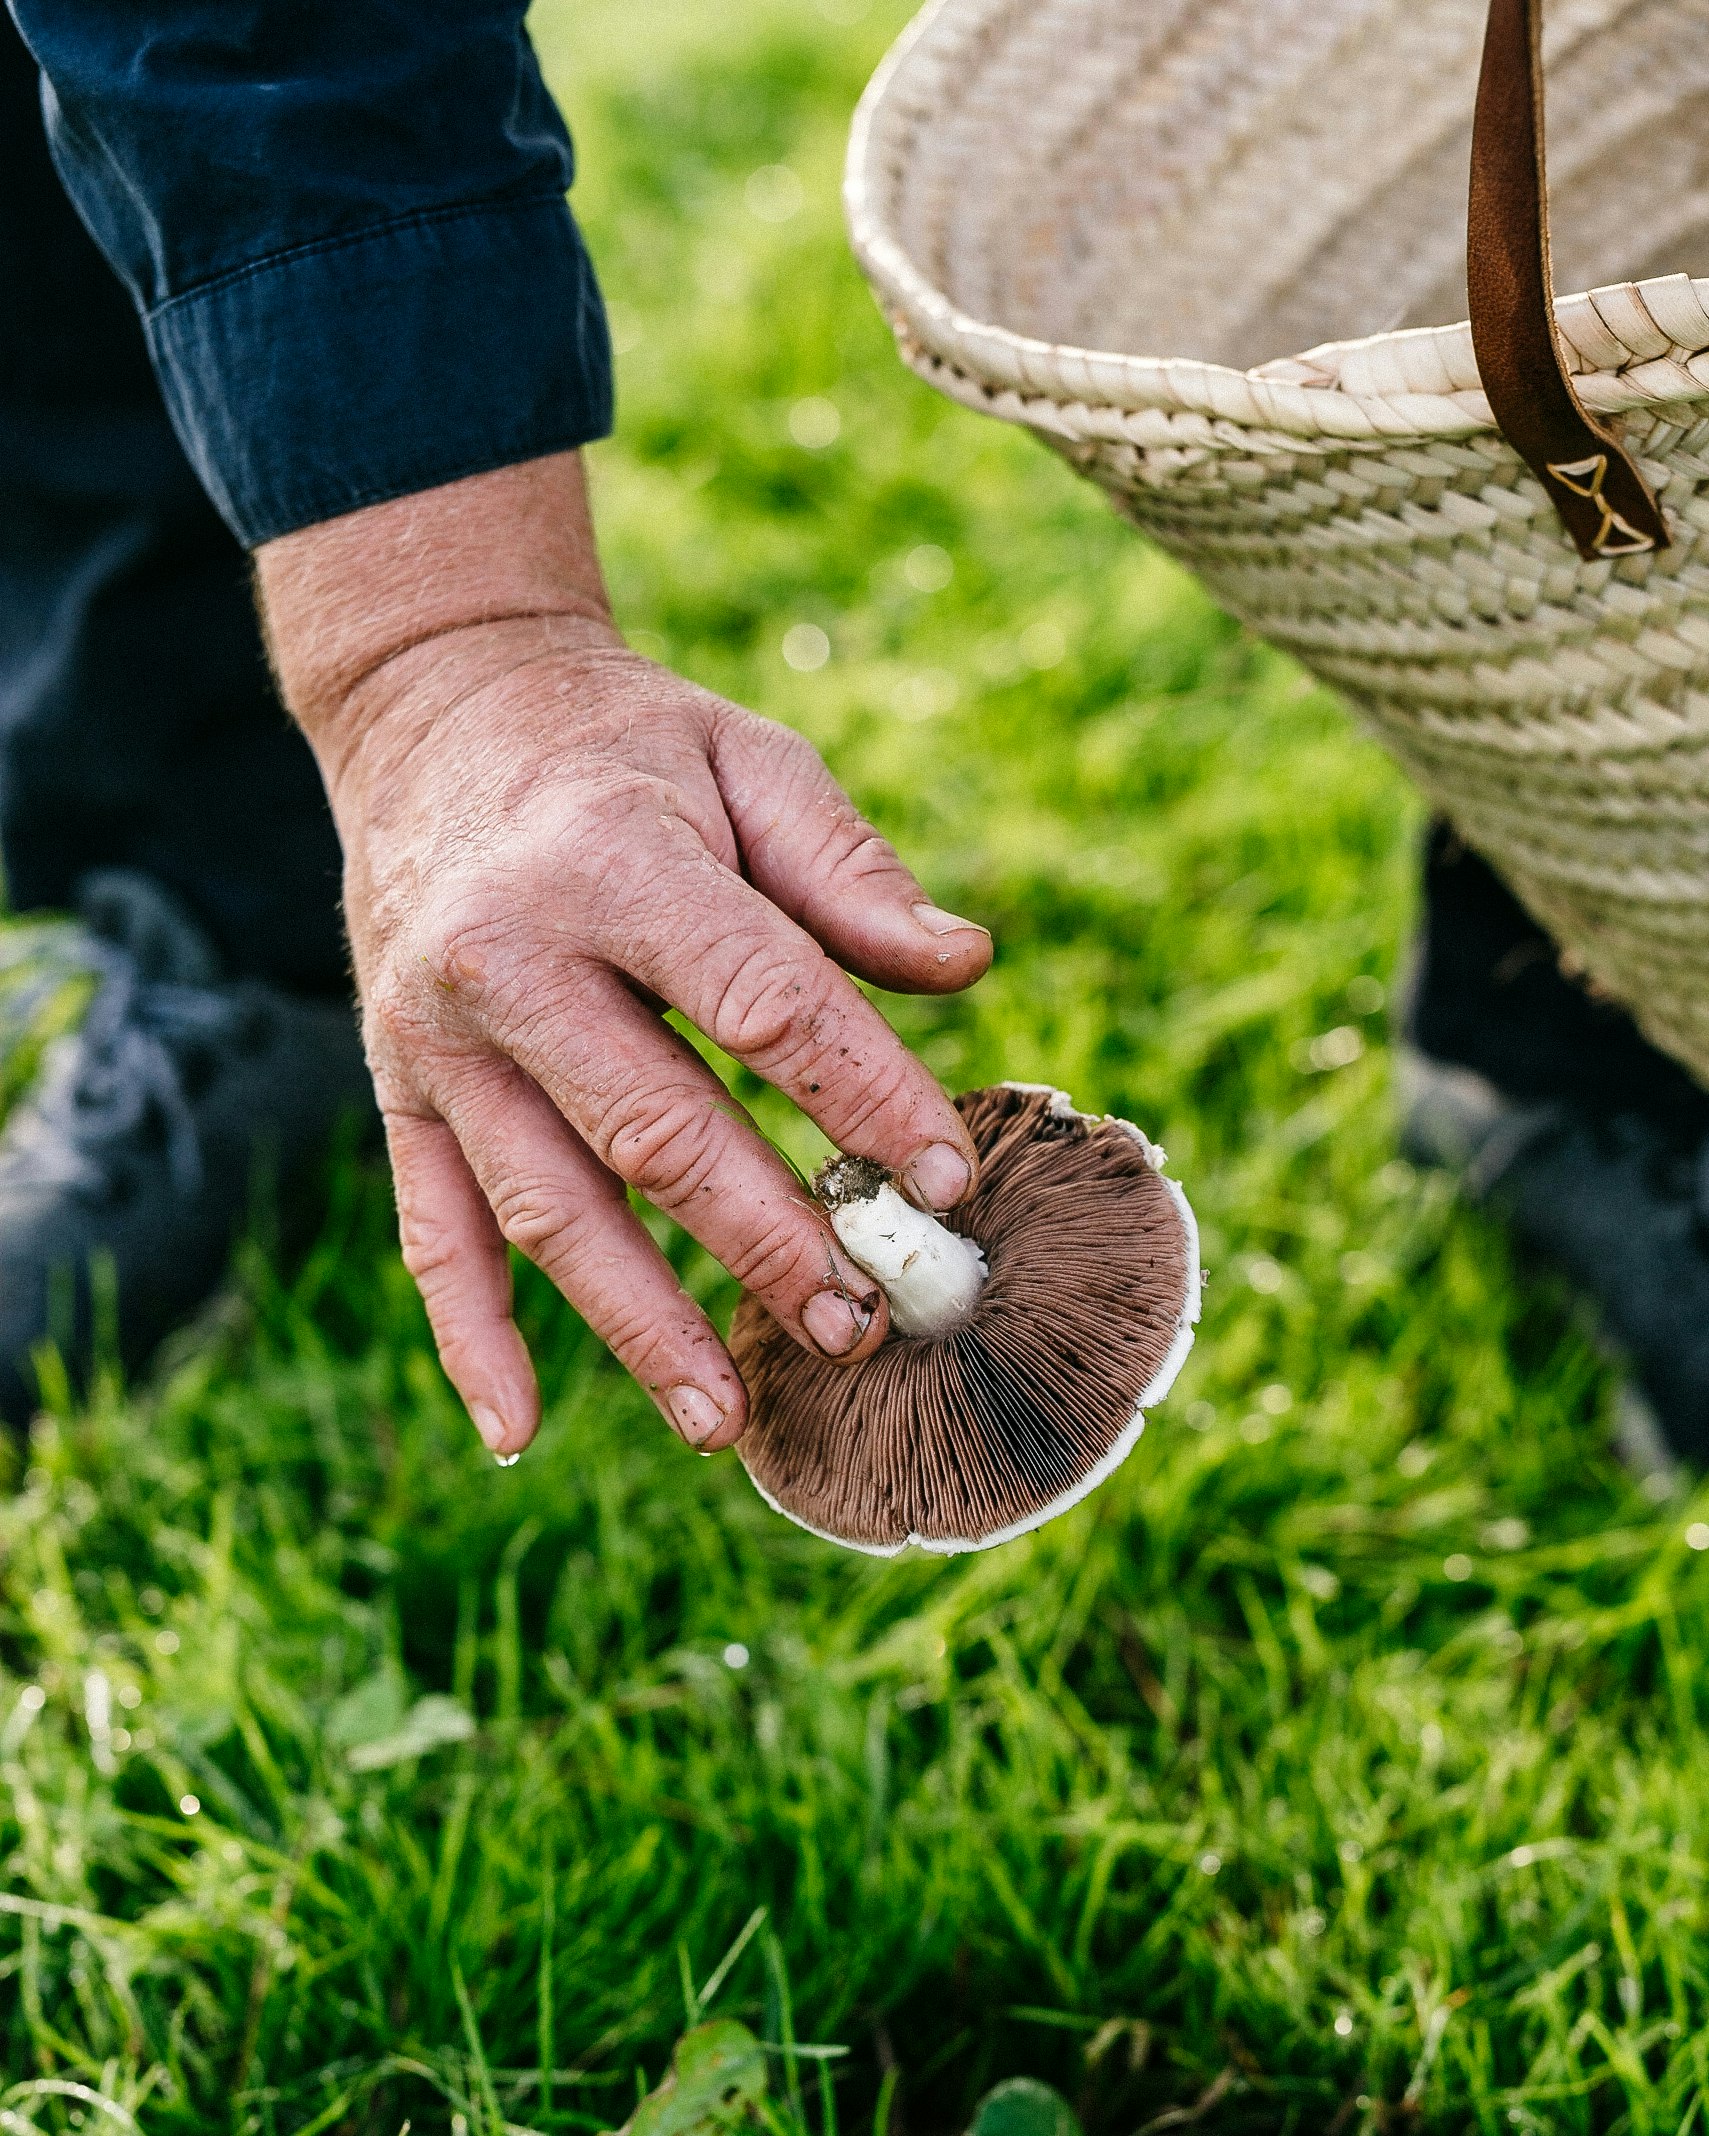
<point>546,839</point>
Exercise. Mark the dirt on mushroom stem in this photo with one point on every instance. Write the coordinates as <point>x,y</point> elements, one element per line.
<point>850,1179</point>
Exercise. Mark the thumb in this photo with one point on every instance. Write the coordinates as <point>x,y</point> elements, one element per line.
<point>808,849</point>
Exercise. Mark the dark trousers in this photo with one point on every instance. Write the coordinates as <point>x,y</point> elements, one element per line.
<point>1489,994</point>
<point>138,726</point>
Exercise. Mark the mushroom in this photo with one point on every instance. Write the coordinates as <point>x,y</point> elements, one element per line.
<point>1030,1331</point>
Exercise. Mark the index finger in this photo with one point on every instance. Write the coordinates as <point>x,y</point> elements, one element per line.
<point>761,988</point>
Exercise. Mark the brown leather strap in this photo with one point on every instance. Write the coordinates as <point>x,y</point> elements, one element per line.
<point>1606,505</point>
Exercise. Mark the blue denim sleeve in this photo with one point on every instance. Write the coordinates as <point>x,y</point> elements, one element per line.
<point>343,223</point>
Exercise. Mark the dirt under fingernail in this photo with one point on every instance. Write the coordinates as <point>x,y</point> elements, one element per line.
<point>835,1324</point>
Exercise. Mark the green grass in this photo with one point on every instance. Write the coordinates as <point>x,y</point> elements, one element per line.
<point>1341,1764</point>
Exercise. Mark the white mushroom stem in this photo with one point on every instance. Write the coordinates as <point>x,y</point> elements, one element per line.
<point>931,1275</point>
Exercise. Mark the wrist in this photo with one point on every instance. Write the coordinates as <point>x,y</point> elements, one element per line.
<point>388,614</point>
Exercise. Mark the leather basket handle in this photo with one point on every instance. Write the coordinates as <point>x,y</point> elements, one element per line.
<point>1604,502</point>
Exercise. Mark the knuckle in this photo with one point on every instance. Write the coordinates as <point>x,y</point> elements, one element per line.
<point>837,845</point>
<point>772,1004</point>
<point>783,1261</point>
<point>599,825</point>
<point>797,782</point>
<point>879,1097</point>
<point>458,948</point>
<point>794,755</point>
<point>529,1020</point>
<point>866,856</point>
<point>507,986</point>
<point>481,965</point>
<point>436,968</point>
<point>437,920</point>
<point>663,1143</point>
<point>533,1218</point>
<point>633,1340</point>
<point>430,1251</point>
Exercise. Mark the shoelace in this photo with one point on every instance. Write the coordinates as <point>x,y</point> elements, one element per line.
<point>128,1060</point>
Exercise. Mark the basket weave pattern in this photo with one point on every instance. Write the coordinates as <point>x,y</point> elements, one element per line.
<point>1039,188</point>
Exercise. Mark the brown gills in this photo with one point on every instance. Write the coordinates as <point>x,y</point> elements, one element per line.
<point>959,1439</point>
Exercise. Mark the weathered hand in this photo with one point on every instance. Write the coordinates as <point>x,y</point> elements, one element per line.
<point>546,838</point>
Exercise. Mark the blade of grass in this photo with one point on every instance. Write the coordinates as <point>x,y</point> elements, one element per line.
<point>507,1633</point>
<point>780,2022</point>
<point>886,2098</point>
<point>545,2000</point>
<point>727,1964</point>
<point>477,2054</point>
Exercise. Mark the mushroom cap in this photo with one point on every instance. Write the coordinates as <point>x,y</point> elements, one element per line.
<point>968,1439</point>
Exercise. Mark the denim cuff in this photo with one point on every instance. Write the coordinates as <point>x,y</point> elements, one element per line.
<point>365,367</point>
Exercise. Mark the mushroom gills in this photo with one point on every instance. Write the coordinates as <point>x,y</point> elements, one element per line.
<point>1037,1387</point>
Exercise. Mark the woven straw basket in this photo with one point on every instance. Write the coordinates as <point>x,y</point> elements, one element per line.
<point>1113,220</point>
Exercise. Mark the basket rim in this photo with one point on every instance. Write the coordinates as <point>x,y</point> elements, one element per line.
<point>1629,345</point>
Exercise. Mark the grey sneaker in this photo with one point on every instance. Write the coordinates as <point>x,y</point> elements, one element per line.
<point>1620,1204</point>
<point>140,1142</point>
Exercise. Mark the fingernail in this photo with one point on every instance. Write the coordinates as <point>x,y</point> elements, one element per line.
<point>694,1413</point>
<point>835,1323</point>
<point>939,1176</point>
<point>936,921</point>
<point>491,1427</point>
